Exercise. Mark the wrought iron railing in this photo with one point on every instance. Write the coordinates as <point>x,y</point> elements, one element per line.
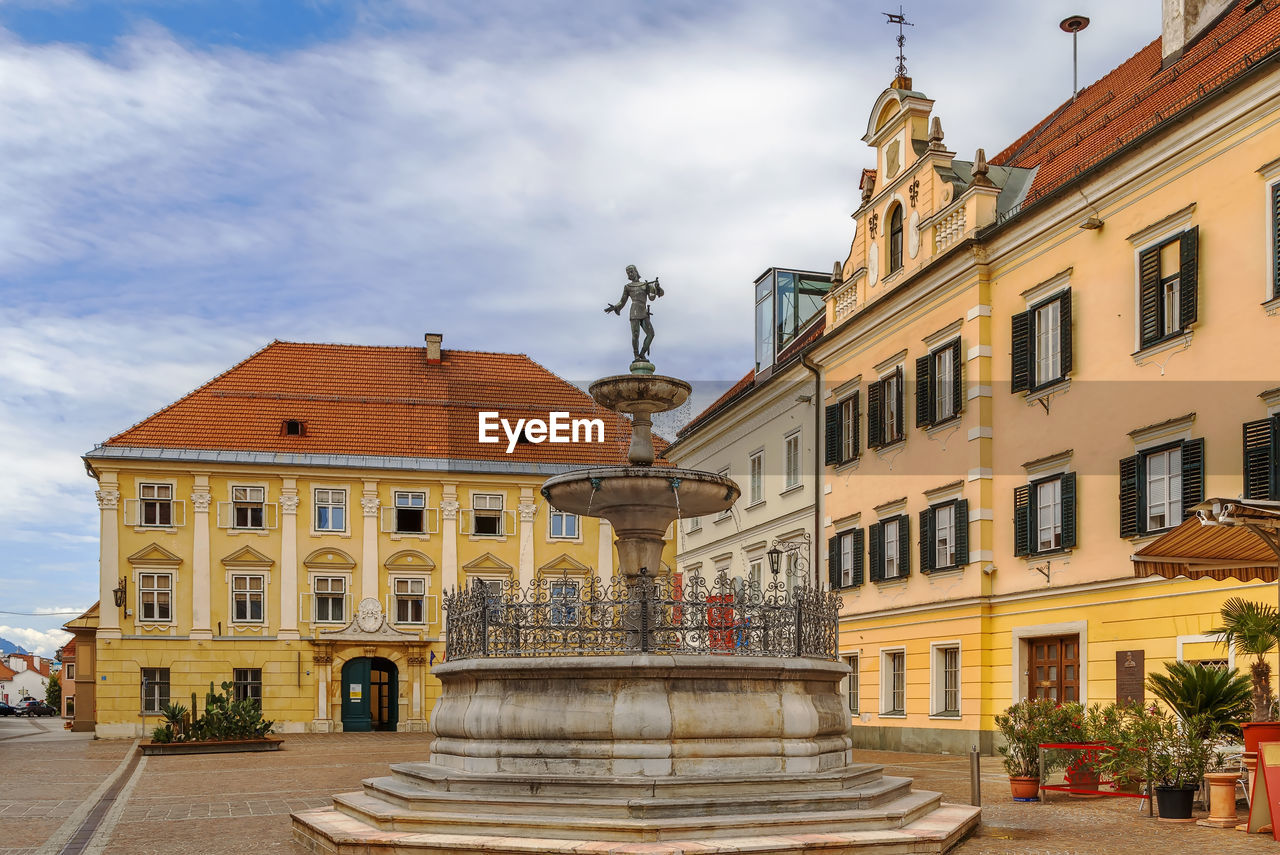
<point>582,616</point>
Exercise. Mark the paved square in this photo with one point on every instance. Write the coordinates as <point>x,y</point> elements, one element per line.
<point>240,803</point>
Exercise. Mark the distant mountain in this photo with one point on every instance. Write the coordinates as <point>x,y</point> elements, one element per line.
<point>7,647</point>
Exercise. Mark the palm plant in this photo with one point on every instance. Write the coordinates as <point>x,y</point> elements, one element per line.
<point>1253,628</point>
<point>1217,695</point>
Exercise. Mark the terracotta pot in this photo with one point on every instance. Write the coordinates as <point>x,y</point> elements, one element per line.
<point>1260,731</point>
<point>1222,799</point>
<point>1025,789</point>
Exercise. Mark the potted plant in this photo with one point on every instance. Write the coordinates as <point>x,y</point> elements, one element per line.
<point>1025,726</point>
<point>1254,628</point>
<point>1179,754</point>
<point>1224,695</point>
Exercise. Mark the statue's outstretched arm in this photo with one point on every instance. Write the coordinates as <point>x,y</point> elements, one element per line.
<point>616,308</point>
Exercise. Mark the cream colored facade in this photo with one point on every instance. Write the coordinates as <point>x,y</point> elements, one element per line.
<point>940,650</point>
<point>299,644</point>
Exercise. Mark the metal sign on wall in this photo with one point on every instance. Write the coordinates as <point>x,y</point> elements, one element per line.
<point>1131,674</point>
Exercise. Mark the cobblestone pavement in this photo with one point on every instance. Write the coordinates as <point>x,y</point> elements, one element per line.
<point>231,804</point>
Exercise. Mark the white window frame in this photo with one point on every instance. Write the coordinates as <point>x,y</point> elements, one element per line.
<point>892,428</point>
<point>1047,336</point>
<point>391,513</point>
<point>409,596</point>
<point>694,524</point>
<point>1171,482</point>
<point>316,594</point>
<point>236,491</point>
<point>853,687</point>
<point>247,683</point>
<point>755,469</point>
<point>144,500</point>
<point>227,510</point>
<point>328,502</point>
<point>147,697</point>
<point>69,669</point>
<point>144,589</point>
<point>938,679</point>
<point>248,591</point>
<point>944,536</point>
<point>563,516</point>
<point>848,426</point>
<point>887,680</point>
<point>943,382</point>
<point>727,512</point>
<point>846,558</point>
<point>891,547</point>
<point>792,459</point>
<point>482,507</point>
<point>1053,529</point>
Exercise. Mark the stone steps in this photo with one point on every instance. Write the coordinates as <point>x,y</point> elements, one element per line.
<point>331,832</point>
<point>404,793</point>
<point>430,776</point>
<point>569,819</point>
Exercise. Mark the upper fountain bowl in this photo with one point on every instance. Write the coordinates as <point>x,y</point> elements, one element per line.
<point>632,393</point>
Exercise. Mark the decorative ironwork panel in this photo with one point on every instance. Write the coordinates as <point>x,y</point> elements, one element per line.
<point>583,616</point>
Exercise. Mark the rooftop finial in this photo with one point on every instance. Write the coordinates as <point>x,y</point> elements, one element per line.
<point>900,18</point>
<point>935,133</point>
<point>980,170</point>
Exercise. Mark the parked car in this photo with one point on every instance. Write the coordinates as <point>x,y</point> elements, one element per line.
<point>5,709</point>
<point>37,708</point>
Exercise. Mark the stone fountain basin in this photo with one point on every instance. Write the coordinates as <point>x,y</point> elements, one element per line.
<point>633,497</point>
<point>631,393</point>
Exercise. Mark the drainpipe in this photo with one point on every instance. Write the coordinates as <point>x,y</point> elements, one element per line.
<point>817,467</point>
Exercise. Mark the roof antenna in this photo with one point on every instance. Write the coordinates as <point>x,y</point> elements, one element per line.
<point>1074,25</point>
<point>900,18</point>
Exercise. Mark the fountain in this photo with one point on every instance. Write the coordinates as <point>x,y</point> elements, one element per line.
<point>651,713</point>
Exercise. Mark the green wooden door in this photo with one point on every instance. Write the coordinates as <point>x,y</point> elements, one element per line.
<point>356,716</point>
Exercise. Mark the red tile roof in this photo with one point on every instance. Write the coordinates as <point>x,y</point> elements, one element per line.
<point>383,401</point>
<point>1139,95</point>
<point>43,670</point>
<point>69,651</point>
<point>6,673</point>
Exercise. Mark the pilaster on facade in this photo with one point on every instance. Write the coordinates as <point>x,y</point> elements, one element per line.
<point>369,564</point>
<point>527,512</point>
<point>289,500</point>
<point>201,560</point>
<point>108,496</point>
<point>449,508</point>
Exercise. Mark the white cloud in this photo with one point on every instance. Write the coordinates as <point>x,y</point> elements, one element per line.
<point>43,642</point>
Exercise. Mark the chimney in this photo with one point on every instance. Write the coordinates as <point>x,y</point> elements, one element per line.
<point>1183,20</point>
<point>433,347</point>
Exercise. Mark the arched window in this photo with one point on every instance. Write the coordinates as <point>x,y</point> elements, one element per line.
<point>895,239</point>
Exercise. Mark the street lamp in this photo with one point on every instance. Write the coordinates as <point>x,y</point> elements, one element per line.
<point>775,560</point>
<point>119,594</point>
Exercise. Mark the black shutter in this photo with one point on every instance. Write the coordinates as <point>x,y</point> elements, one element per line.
<point>1129,497</point>
<point>1149,295</point>
<point>1068,510</point>
<point>833,434</point>
<point>877,551</point>
<point>1022,520</point>
<point>1192,476</point>
<point>1020,372</point>
<point>957,379</point>
<point>833,562</point>
<point>855,435</point>
<point>904,545</point>
<point>1064,324</point>
<point>962,532</point>
<point>875,415</point>
<point>902,412</point>
<point>856,573</point>
<point>924,397</point>
<point>926,540</point>
<point>1275,239</point>
<point>1189,277</point>
<point>1259,445</point>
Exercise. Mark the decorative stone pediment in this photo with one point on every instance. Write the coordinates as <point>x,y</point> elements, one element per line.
<point>369,626</point>
<point>248,558</point>
<point>563,563</point>
<point>488,561</point>
<point>410,559</point>
<point>329,559</point>
<point>154,555</point>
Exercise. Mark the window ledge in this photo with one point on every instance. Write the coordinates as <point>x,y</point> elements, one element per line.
<point>409,535</point>
<point>945,716</point>
<point>1272,306</point>
<point>943,571</point>
<point>236,532</point>
<point>165,529</point>
<point>892,715</point>
<point>1148,536</point>
<point>757,503</point>
<point>1176,342</point>
<point>894,580</point>
<point>1043,393</point>
<point>947,424</point>
<point>848,465</point>
<point>722,518</point>
<point>342,534</point>
<point>561,539</point>
<point>794,488</point>
<point>1062,552</point>
<point>487,538</point>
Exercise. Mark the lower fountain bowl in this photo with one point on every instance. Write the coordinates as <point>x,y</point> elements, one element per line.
<point>646,497</point>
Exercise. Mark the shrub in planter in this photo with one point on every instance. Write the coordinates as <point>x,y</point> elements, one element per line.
<point>1128,729</point>
<point>1180,753</point>
<point>1222,696</point>
<point>1026,725</point>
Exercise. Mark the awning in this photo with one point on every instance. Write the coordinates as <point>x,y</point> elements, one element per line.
<point>1226,539</point>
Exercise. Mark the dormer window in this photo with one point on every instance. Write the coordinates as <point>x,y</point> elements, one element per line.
<point>895,239</point>
<point>786,301</point>
<point>293,427</point>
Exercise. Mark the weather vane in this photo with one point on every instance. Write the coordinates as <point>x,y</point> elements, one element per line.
<point>900,18</point>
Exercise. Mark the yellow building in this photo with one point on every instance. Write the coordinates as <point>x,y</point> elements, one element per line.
<point>291,525</point>
<point>1034,365</point>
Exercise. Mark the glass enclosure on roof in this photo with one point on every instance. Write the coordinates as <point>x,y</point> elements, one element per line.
<point>787,301</point>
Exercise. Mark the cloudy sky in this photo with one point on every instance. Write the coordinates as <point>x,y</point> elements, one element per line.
<point>182,181</point>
